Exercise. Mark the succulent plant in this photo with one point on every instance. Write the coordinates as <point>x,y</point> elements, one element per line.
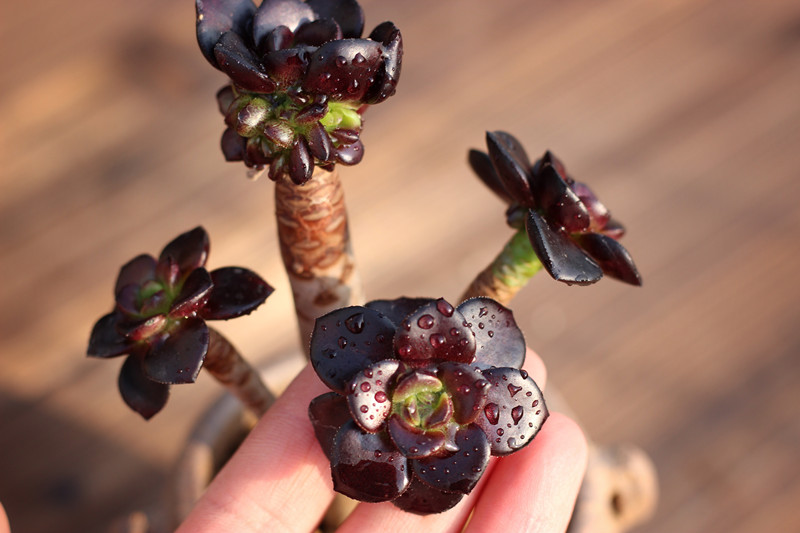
<point>160,313</point>
<point>423,394</point>
<point>302,77</point>
<point>571,232</point>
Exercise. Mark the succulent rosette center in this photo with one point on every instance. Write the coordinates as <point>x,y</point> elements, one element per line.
<point>159,317</point>
<point>302,75</point>
<point>569,229</point>
<point>421,402</point>
<point>423,394</point>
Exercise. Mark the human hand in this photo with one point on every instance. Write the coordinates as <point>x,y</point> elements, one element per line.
<point>280,478</point>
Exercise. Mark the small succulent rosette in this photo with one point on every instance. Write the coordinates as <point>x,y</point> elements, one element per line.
<point>160,313</point>
<point>301,75</point>
<point>423,394</point>
<point>571,232</point>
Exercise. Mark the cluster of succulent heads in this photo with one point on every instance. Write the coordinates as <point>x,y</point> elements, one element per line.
<point>159,315</point>
<point>570,230</point>
<point>302,76</point>
<point>423,393</point>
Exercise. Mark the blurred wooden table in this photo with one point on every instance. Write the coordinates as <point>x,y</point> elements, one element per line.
<point>683,115</point>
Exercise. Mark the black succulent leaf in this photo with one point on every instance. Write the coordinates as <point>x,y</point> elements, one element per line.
<point>302,64</point>
<point>423,394</point>
<point>570,230</point>
<point>160,313</point>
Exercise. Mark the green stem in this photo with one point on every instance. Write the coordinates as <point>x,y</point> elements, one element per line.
<point>511,270</point>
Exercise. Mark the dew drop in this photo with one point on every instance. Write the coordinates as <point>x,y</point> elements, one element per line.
<point>535,403</point>
<point>523,374</point>
<point>483,312</point>
<point>413,450</point>
<point>513,389</point>
<point>500,431</point>
<point>340,61</point>
<point>426,322</point>
<point>437,339</point>
<point>380,338</point>
<point>378,454</point>
<point>476,469</point>
<point>380,397</point>
<point>492,413</point>
<point>490,333</point>
<point>516,414</point>
<point>359,59</point>
<point>342,342</point>
<point>453,331</point>
<point>444,307</point>
<point>464,389</point>
<point>481,325</point>
<point>355,323</point>
<point>529,393</point>
<point>364,409</point>
<point>538,412</point>
<point>405,350</point>
<point>365,387</point>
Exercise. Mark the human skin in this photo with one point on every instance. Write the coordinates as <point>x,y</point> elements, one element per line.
<point>281,477</point>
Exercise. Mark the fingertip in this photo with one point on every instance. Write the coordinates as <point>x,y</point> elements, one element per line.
<point>4,525</point>
<point>542,479</point>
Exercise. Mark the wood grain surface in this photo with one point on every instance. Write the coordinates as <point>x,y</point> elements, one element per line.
<point>683,115</point>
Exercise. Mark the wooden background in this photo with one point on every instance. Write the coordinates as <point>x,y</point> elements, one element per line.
<point>683,115</point>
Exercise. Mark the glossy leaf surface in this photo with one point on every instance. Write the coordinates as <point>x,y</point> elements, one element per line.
<point>482,165</point>
<point>420,498</point>
<point>236,292</point>
<point>347,14</point>
<point>240,64</point>
<point>511,170</point>
<point>274,13</point>
<point>369,395</point>
<point>215,17</point>
<point>560,256</point>
<point>468,390</point>
<point>436,331</point>
<point>396,310</point>
<point>414,442</point>
<point>180,356</point>
<point>189,250</point>
<point>105,340</point>
<point>498,338</point>
<point>459,471</point>
<point>143,395</point>
<point>328,413</point>
<point>193,294</point>
<point>612,257</point>
<point>347,340</point>
<point>559,202</point>
<point>366,467</point>
<point>137,271</point>
<point>514,410</point>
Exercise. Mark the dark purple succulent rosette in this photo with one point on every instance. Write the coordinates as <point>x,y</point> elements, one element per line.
<point>159,318</point>
<point>571,232</point>
<point>423,394</point>
<point>302,76</point>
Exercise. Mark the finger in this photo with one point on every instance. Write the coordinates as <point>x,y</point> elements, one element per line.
<point>4,526</point>
<point>278,480</point>
<point>534,490</point>
<point>387,518</point>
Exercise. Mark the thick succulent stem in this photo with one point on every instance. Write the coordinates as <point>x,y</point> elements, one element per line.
<point>508,273</point>
<point>225,363</point>
<point>315,246</point>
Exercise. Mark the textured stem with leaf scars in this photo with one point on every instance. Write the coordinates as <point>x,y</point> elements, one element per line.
<point>315,247</point>
<point>225,363</point>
